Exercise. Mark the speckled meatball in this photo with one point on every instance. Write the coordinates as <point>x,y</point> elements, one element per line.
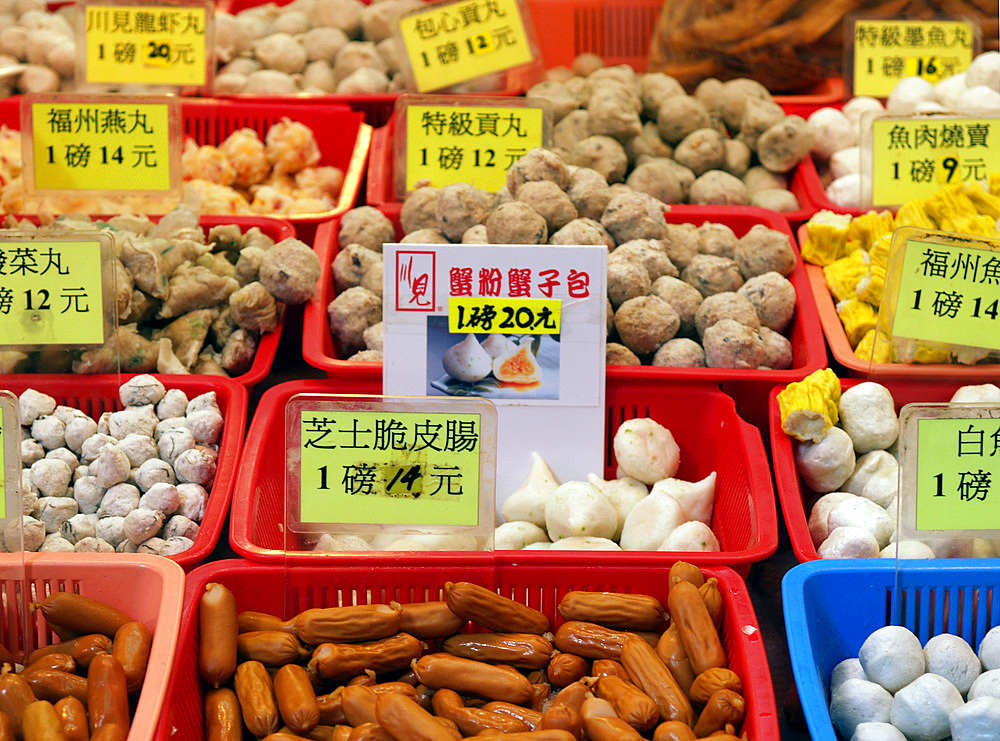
<point>775,199</point>
<point>289,271</point>
<point>515,223</point>
<point>351,264</point>
<point>773,296</point>
<point>760,178</point>
<point>650,253</point>
<point>419,209</point>
<point>758,116</point>
<point>763,250</point>
<point>647,144</point>
<point>561,101</point>
<point>733,97</point>
<point>425,236</point>
<point>729,344</point>
<point>537,164</point>
<point>550,201</point>
<point>716,239</point>
<point>627,279</point>
<point>712,274</point>
<point>679,115</point>
<point>350,314</point>
<point>475,235</point>
<point>644,323</point>
<point>681,244</point>
<point>366,226</point>
<point>777,350</point>
<point>680,352</point>
<point>725,305</point>
<point>654,88</point>
<point>737,158</point>
<point>701,150</point>
<point>658,178</point>
<point>460,206</point>
<point>618,354</point>
<point>785,143</point>
<point>589,192</point>
<point>634,216</point>
<point>683,297</point>
<point>583,231</point>
<point>601,153</point>
<point>614,113</point>
<point>720,188</point>
<point>571,129</point>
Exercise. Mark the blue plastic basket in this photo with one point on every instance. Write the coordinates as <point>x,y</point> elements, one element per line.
<point>831,607</point>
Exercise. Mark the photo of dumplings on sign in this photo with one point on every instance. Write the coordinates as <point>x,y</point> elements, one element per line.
<point>494,365</point>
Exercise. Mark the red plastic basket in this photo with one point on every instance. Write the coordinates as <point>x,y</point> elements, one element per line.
<point>842,352</point>
<point>711,436</point>
<point>341,134</point>
<point>748,387</point>
<point>797,499</point>
<point>153,597</point>
<point>260,587</point>
<point>97,394</point>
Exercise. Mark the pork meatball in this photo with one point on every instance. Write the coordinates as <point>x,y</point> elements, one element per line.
<point>658,178</point>
<point>601,153</point>
<point>777,350</point>
<point>589,192</point>
<point>537,164</point>
<point>634,216</point>
<point>351,264</point>
<point>680,352</point>
<point>627,279</point>
<point>645,323</point>
<point>289,271</point>
<point>701,150</point>
<point>366,226</point>
<point>583,231</point>
<point>419,209</point>
<point>515,223</point>
<point>461,206</point>
<point>550,201</point>
<point>725,305</point>
<point>650,253</point>
<point>350,314</point>
<point>773,296</point>
<point>716,239</point>
<point>681,244</point>
<point>719,187</point>
<point>729,344</point>
<point>762,250</point>
<point>679,115</point>
<point>683,297</point>
<point>618,354</point>
<point>713,274</point>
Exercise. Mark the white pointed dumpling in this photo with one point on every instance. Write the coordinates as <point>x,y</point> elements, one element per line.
<point>650,522</point>
<point>577,508</point>
<point>646,450</point>
<point>623,493</point>
<point>527,502</point>
<point>691,536</point>
<point>697,498</point>
<point>577,543</point>
<point>513,536</point>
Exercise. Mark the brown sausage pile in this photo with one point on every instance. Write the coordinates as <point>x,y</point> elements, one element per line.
<point>406,672</point>
<point>80,688</point>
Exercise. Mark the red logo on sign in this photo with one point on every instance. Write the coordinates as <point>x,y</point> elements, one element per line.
<point>415,288</point>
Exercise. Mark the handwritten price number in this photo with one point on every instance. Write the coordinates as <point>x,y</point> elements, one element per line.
<point>522,318</point>
<point>399,480</point>
<point>991,310</point>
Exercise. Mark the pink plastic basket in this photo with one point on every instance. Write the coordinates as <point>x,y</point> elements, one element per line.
<point>97,394</point>
<point>262,587</point>
<point>797,499</point>
<point>711,436</point>
<point>154,594</point>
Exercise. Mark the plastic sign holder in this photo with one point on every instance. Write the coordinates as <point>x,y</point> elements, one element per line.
<point>910,157</point>
<point>105,146</point>
<point>389,467</point>
<point>940,300</point>
<point>130,42</point>
<point>885,50</point>
<point>457,41</point>
<point>11,519</point>
<point>445,139</point>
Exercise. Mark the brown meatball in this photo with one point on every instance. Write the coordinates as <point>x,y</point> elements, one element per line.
<point>351,264</point>
<point>612,114</point>
<point>682,296</point>
<point>763,250</point>
<point>654,88</point>
<point>701,150</point>
<point>589,192</point>
<point>647,144</point>
<point>712,274</point>
<point>785,143</point>
<point>618,354</point>
<point>583,231</point>
<point>649,253</point>
<point>626,279</point>
<point>601,153</point>
<point>737,159</point>
<point>634,216</point>
<point>289,271</point>
<point>515,223</point>
<point>777,350</point>
<point>425,236</point>
<point>367,226</point>
<point>716,239</point>
<point>725,305</point>
<point>460,206</point>
<point>773,296</point>
<point>476,235</point>
<point>350,314</point>
<point>644,323</point>
<point>681,244</point>
<point>775,199</point>
<point>571,129</point>
<point>729,344</point>
<point>758,116</point>
<point>720,188</point>
<point>734,96</point>
<point>419,210</point>
<point>537,164</point>
<point>657,178</point>
<point>550,202</point>
<point>679,115</point>
<point>561,101</point>
<point>680,352</point>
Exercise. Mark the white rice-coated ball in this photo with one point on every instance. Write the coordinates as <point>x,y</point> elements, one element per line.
<point>180,526</point>
<point>153,471</point>
<point>142,524</point>
<point>78,429</point>
<point>78,527</point>
<point>170,423</point>
<point>93,445</point>
<point>877,732</point>
<point>153,545</point>
<point>127,546</point>
<point>650,522</point>
<point>405,544</point>
<point>868,415</point>
<point>445,541</point>
<point>691,536</point>
<point>882,488</point>
<point>846,669</point>
<point>984,393</point>
<point>195,466</point>
<point>102,424</point>
<point>623,493</point>
<point>989,649</point>
<point>978,98</point>
<point>578,508</point>
<point>80,472</point>
<point>907,93</point>
<point>141,390</point>
<point>50,431</point>
<point>206,425</point>
<point>111,530</point>
<point>31,451</point>
<point>868,465</point>
<point>858,701</point>
<point>984,70</point>
<point>909,549</point>
<point>67,413</point>
<point>33,404</point>
<point>847,161</point>
<point>54,511</point>
<point>176,544</point>
<point>163,497</point>
<point>192,498</point>
<point>952,657</point>
<point>646,450</point>
<point>174,442</point>
<point>88,494</point>
<point>826,464</point>
<point>892,657</point>
<point>928,106</point>
<point>51,476</point>
<point>138,448</point>
<point>921,709</point>
<point>577,543</point>
<point>29,493</point>
<point>986,684</point>
<point>845,191</point>
<point>513,536</point>
<point>141,420</point>
<point>328,542</point>
<point>119,500</point>
<point>819,528</point>
<point>849,542</point>
<point>977,720</point>
<point>206,401</point>
<point>34,534</point>
<point>65,455</point>
<point>55,543</point>
<point>834,131</point>
<point>173,404</point>
<point>93,545</point>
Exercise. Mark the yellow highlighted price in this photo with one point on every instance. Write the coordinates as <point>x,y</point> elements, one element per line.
<point>504,315</point>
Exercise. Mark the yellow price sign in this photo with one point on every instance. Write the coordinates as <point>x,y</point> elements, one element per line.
<point>504,315</point>
<point>459,41</point>
<point>885,51</point>
<point>122,145</point>
<point>149,44</point>
<point>448,144</point>
<point>389,467</point>
<point>915,156</point>
<point>54,292</point>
